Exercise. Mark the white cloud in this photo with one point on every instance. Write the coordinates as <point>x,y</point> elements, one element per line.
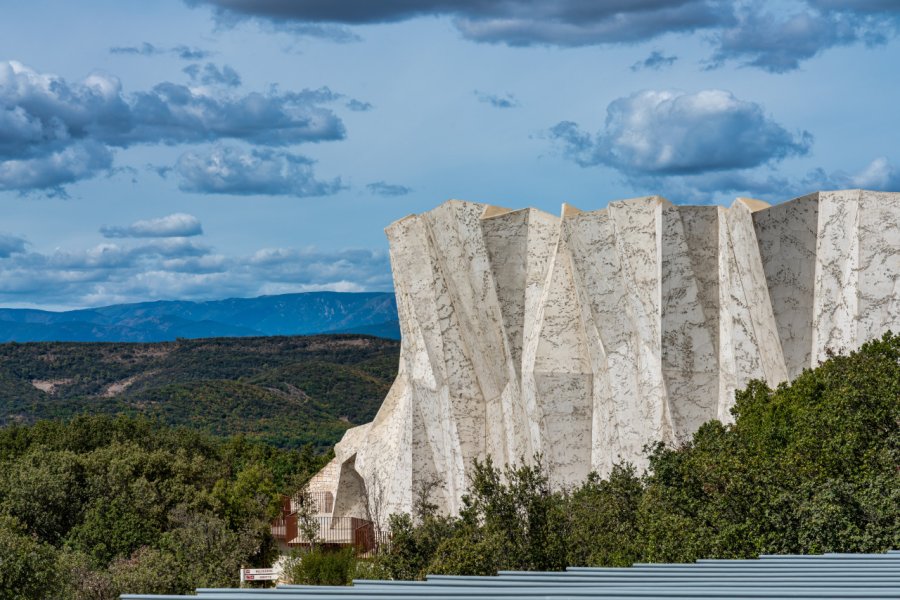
<point>55,169</point>
<point>675,133</point>
<point>174,225</point>
<point>54,132</point>
<point>232,170</point>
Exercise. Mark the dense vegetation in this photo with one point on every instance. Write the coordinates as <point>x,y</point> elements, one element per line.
<point>811,467</point>
<point>288,391</point>
<point>101,506</point>
<point>104,505</point>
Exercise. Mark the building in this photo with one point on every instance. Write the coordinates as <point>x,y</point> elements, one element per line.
<point>585,336</point>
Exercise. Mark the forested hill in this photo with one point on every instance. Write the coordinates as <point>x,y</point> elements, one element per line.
<point>370,313</point>
<point>288,391</point>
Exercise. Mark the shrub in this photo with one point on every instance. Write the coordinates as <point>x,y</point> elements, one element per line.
<point>324,567</point>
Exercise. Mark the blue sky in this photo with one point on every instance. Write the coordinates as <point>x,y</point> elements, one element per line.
<point>216,148</point>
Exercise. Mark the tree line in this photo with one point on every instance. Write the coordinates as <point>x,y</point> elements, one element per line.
<point>810,467</point>
<point>101,505</point>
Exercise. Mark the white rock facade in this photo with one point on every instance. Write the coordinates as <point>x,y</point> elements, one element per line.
<point>586,336</point>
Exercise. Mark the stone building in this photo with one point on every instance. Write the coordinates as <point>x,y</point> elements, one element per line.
<point>586,336</point>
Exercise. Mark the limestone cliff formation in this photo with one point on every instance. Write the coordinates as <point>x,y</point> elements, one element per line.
<point>586,336</point>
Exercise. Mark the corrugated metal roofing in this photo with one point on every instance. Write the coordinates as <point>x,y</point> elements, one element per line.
<point>770,577</point>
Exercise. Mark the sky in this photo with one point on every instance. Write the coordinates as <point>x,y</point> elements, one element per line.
<point>205,149</point>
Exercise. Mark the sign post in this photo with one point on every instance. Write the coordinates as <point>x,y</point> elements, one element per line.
<point>259,575</point>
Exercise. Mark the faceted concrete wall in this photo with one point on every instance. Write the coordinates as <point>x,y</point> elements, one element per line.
<point>586,336</point>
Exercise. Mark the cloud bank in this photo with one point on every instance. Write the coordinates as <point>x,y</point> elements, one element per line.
<point>740,31</point>
<point>512,22</point>
<point>54,132</point>
<point>178,268</point>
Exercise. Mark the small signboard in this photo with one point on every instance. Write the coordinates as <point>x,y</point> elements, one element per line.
<point>259,575</point>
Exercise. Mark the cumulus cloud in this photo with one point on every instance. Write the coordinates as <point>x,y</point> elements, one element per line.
<point>11,244</point>
<point>147,49</point>
<point>210,74</point>
<point>656,61</point>
<point>497,101</point>
<point>172,113</point>
<point>232,170</point>
<point>382,188</point>
<point>178,268</point>
<point>174,225</point>
<point>652,133</point>
<point>54,132</point>
<point>54,169</point>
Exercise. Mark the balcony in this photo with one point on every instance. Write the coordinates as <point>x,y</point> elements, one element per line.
<point>332,531</point>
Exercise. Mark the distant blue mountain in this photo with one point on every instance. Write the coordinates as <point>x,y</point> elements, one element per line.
<point>373,313</point>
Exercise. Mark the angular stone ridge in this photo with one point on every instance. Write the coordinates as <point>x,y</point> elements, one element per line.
<point>587,336</point>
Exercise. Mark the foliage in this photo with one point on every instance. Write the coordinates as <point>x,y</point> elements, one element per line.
<point>28,567</point>
<point>323,567</point>
<point>288,391</point>
<point>306,513</point>
<point>604,520</point>
<point>106,505</point>
<point>810,467</point>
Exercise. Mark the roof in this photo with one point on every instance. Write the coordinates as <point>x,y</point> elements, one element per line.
<point>785,577</point>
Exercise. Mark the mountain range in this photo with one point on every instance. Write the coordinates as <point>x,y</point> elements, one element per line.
<point>370,313</point>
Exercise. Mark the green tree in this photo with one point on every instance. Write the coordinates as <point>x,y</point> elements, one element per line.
<point>43,490</point>
<point>604,519</point>
<point>28,567</point>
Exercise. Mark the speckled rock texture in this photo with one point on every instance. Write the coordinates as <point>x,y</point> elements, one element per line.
<point>584,337</point>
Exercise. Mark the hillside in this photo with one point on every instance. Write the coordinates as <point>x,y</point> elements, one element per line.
<point>369,313</point>
<point>289,391</point>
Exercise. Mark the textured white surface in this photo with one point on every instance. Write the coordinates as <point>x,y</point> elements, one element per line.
<point>587,336</point>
